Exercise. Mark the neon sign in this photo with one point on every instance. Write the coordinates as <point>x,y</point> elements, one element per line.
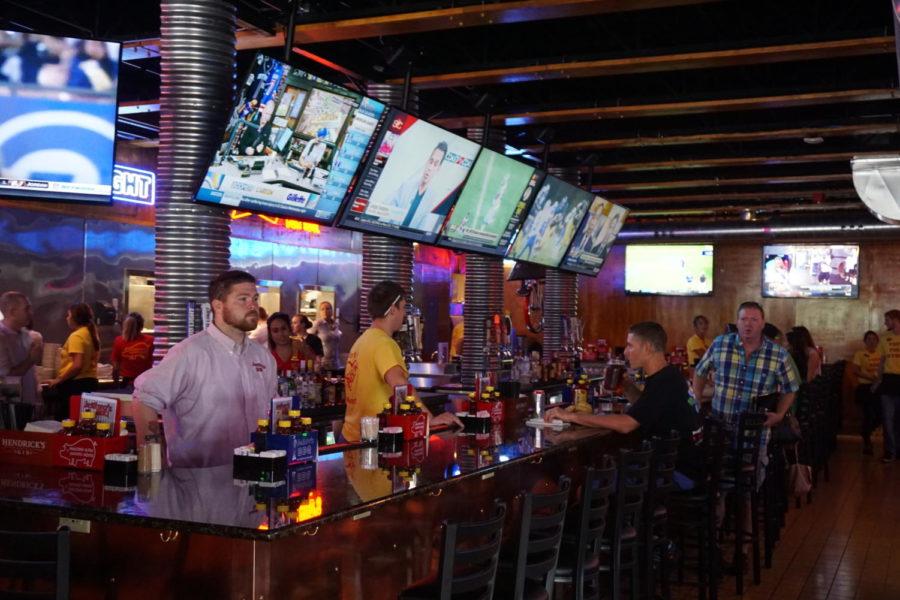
<point>136,186</point>
<point>289,224</point>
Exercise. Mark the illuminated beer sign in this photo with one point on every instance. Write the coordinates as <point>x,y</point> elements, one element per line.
<point>134,185</point>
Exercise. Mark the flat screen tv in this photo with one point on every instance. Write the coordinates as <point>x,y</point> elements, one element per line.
<point>411,180</point>
<point>491,205</point>
<point>669,269</point>
<point>810,271</point>
<point>292,145</point>
<point>551,223</point>
<point>58,103</point>
<point>595,237</point>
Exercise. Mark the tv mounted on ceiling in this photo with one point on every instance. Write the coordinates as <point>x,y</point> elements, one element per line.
<point>595,237</point>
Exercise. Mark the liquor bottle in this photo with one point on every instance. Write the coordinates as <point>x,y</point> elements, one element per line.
<point>306,425</point>
<point>294,416</point>
<point>262,426</point>
<point>68,427</point>
<point>284,427</point>
<point>87,425</point>
<point>103,430</point>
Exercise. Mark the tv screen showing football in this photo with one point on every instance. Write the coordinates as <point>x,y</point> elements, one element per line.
<point>669,269</point>
<point>491,205</point>
<point>292,145</point>
<point>595,237</point>
<point>411,180</point>
<point>552,221</point>
<point>811,271</point>
<point>57,117</point>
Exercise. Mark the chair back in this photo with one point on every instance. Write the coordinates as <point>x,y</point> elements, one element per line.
<point>469,556</point>
<point>662,473</point>
<point>35,562</point>
<point>593,511</point>
<point>540,537</point>
<point>631,487</point>
<point>744,461</point>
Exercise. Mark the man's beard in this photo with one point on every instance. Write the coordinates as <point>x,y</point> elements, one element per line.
<point>246,323</point>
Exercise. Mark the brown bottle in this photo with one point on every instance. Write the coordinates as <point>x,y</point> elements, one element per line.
<point>262,426</point>
<point>87,425</point>
<point>103,430</point>
<point>68,427</point>
<point>284,427</point>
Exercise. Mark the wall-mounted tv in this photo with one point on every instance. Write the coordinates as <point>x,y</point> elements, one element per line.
<point>292,145</point>
<point>669,269</point>
<point>57,117</point>
<point>410,181</point>
<point>553,219</point>
<point>491,205</point>
<point>810,271</point>
<point>595,237</point>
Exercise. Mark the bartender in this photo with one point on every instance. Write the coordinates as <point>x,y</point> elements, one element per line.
<point>375,364</point>
<point>212,387</point>
<point>328,330</point>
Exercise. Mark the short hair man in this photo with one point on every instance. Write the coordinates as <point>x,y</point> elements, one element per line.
<point>698,343</point>
<point>20,351</point>
<point>212,387</point>
<point>663,406</point>
<point>414,193</point>
<point>888,383</point>
<point>375,364</point>
<point>747,365</point>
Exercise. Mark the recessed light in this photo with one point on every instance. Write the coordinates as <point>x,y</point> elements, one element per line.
<point>813,140</point>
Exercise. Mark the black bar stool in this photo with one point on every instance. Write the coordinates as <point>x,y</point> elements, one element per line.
<point>467,567</point>
<point>39,561</point>
<point>655,543</point>
<point>528,573</point>
<point>579,560</point>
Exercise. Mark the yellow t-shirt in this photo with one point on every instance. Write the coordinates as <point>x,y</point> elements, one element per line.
<point>889,346</point>
<point>374,354</point>
<point>80,342</point>
<point>456,340</point>
<point>868,363</point>
<point>696,348</point>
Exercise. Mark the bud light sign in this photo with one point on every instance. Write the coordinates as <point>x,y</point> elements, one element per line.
<point>134,185</point>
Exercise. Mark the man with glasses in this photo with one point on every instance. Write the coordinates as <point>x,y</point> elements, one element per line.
<point>375,364</point>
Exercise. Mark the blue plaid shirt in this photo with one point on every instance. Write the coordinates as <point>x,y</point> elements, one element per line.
<point>739,379</point>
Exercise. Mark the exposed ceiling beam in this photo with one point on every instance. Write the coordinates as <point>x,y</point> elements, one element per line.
<point>737,161</point>
<point>717,182</point>
<point>474,15</point>
<point>721,138</point>
<point>718,197</point>
<point>654,64</point>
<point>670,108</point>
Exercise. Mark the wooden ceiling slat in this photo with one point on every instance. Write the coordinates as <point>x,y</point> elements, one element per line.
<point>719,198</point>
<point>670,108</point>
<point>654,64</point>
<point>720,138</point>
<point>476,15</point>
<point>737,161</point>
<point>717,182</point>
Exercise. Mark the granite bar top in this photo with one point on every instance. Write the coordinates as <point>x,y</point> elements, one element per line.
<point>340,485</point>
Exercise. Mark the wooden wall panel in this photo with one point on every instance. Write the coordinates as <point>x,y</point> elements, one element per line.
<point>838,325</point>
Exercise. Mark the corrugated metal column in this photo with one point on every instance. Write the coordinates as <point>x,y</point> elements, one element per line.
<point>560,300</point>
<point>484,291</point>
<point>383,257</point>
<point>197,50</point>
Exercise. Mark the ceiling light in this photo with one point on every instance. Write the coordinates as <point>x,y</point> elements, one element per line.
<point>813,140</point>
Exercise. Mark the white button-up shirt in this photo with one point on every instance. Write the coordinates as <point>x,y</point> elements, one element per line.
<point>210,392</point>
<point>14,348</point>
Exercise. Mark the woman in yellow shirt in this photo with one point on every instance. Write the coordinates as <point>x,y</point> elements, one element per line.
<point>78,362</point>
<point>865,366</point>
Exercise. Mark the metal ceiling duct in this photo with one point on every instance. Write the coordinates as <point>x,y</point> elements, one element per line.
<point>560,300</point>
<point>877,181</point>
<point>197,50</point>
<point>484,298</point>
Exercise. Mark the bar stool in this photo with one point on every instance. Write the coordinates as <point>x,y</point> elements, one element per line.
<point>622,540</point>
<point>467,567</point>
<point>579,560</point>
<point>739,476</point>
<point>528,573</point>
<point>654,529</point>
<point>692,513</point>
<point>38,560</point>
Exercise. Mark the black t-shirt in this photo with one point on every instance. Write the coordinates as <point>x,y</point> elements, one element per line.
<point>665,406</point>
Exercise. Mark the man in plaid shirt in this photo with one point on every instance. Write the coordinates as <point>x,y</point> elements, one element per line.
<point>745,365</point>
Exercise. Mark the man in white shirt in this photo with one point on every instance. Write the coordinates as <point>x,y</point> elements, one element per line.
<point>212,387</point>
<point>20,351</point>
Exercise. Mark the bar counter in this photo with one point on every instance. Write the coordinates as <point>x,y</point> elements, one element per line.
<point>356,525</point>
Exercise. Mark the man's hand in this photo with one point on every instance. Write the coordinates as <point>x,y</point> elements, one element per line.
<point>558,414</point>
<point>36,351</point>
<point>772,419</point>
<point>447,418</point>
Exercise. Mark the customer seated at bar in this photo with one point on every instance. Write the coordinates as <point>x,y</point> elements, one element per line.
<point>132,352</point>
<point>663,406</point>
<point>375,364</point>
<point>212,387</point>
<point>78,362</point>
<point>20,351</point>
<point>286,351</point>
